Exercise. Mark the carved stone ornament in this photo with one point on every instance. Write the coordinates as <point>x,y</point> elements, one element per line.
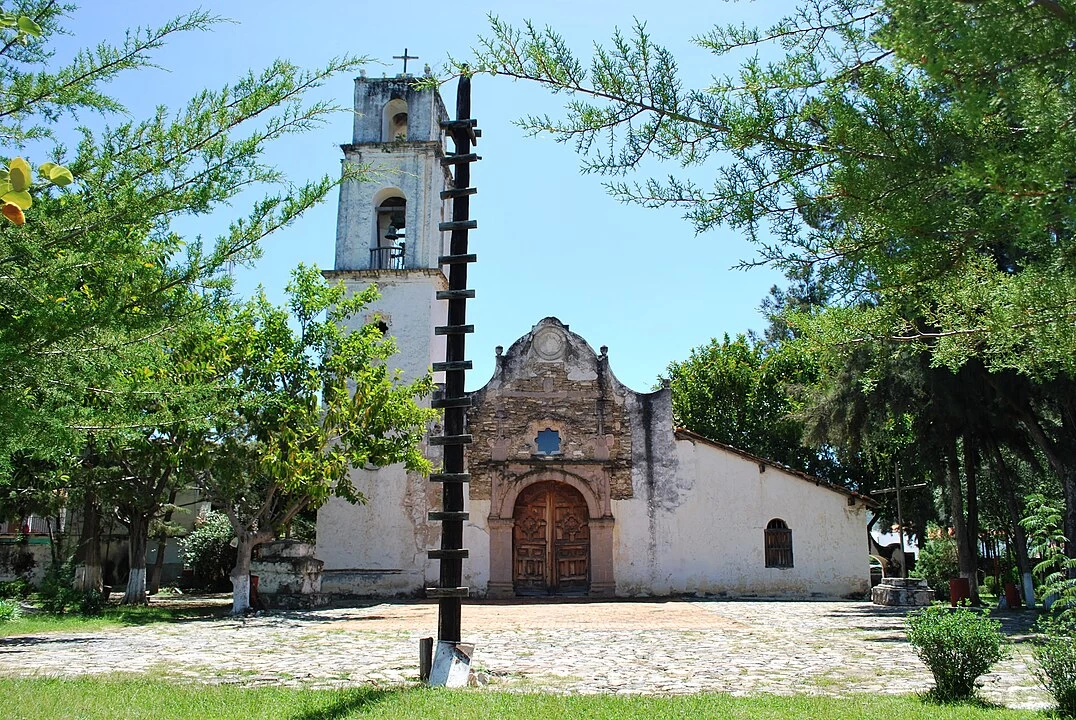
<point>549,344</point>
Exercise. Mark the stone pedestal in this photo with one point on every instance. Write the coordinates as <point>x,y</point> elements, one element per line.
<point>900,592</point>
<point>289,575</point>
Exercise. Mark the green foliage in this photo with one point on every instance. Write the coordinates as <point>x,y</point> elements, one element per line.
<point>98,272</point>
<point>1056,658</point>
<point>958,645</point>
<point>9,611</point>
<point>208,551</point>
<point>57,595</point>
<point>311,401</point>
<point>1046,540</point>
<point>741,392</point>
<point>927,181</point>
<point>937,561</point>
<point>15,589</point>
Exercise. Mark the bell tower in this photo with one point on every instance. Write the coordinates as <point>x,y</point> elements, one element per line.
<point>388,234</point>
<point>387,225</point>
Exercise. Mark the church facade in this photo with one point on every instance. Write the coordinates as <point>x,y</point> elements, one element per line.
<point>580,486</point>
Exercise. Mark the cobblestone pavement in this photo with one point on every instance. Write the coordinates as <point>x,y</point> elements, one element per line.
<point>739,647</point>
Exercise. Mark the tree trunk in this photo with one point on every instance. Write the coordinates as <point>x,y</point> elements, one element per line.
<point>1019,544</point>
<point>136,556</point>
<point>88,575</point>
<point>162,545</point>
<point>241,572</point>
<point>956,505</point>
<point>971,477</point>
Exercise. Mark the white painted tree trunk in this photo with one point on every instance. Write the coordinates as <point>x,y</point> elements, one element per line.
<point>1029,590</point>
<point>241,573</point>
<point>88,575</point>
<point>136,587</point>
<point>136,581</point>
<point>240,593</point>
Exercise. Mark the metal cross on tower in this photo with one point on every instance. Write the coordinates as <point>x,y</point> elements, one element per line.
<point>405,57</point>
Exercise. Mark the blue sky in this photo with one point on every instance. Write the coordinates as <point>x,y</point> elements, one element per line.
<point>549,240</point>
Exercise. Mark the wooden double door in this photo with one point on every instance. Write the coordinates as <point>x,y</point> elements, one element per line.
<point>551,541</point>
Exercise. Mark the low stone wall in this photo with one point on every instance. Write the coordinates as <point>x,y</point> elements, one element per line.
<point>289,576</point>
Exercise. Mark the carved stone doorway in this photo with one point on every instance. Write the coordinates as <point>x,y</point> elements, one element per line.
<point>551,541</point>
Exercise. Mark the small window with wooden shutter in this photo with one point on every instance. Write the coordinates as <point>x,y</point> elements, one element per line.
<point>778,544</point>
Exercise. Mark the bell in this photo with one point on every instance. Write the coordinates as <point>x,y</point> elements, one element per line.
<point>393,234</point>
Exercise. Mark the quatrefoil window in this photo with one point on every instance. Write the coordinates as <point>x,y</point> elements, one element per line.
<point>548,442</point>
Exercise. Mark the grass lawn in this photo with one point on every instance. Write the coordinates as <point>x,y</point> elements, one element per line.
<point>111,616</point>
<point>149,698</point>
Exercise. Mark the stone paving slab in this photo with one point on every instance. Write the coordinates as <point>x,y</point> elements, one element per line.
<point>739,647</point>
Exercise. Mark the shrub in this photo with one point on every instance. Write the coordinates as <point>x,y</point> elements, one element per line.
<point>208,551</point>
<point>9,610</point>
<point>17,589</point>
<point>958,645</point>
<point>937,561</point>
<point>59,597</point>
<point>1056,656</point>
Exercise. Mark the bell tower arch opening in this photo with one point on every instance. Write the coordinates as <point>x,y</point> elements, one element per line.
<point>394,121</point>
<point>388,248</point>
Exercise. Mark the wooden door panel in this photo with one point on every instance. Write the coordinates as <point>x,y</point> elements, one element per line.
<point>551,540</point>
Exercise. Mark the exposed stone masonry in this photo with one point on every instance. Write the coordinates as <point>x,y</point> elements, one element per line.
<point>588,414</point>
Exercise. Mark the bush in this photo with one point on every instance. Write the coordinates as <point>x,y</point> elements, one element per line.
<point>958,645</point>
<point>208,551</point>
<point>937,562</point>
<point>59,597</point>
<point>17,589</point>
<point>1056,656</point>
<point>9,610</point>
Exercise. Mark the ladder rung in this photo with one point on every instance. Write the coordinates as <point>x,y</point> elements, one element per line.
<point>443,515</point>
<point>455,294</point>
<point>447,554</point>
<point>456,259</point>
<point>453,329</point>
<point>459,159</point>
<point>450,477</point>
<point>458,225</point>
<point>458,193</point>
<point>445,403</point>
<point>451,440</point>
<point>460,592</point>
<point>452,365</point>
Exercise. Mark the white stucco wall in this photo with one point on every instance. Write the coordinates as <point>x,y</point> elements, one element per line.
<point>410,309</point>
<point>378,548</point>
<point>476,540</point>
<point>713,540</point>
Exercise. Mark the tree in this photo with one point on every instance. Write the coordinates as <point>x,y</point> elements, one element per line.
<point>913,151</point>
<point>312,401</point>
<point>97,270</point>
<point>912,154</point>
<point>744,393</point>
